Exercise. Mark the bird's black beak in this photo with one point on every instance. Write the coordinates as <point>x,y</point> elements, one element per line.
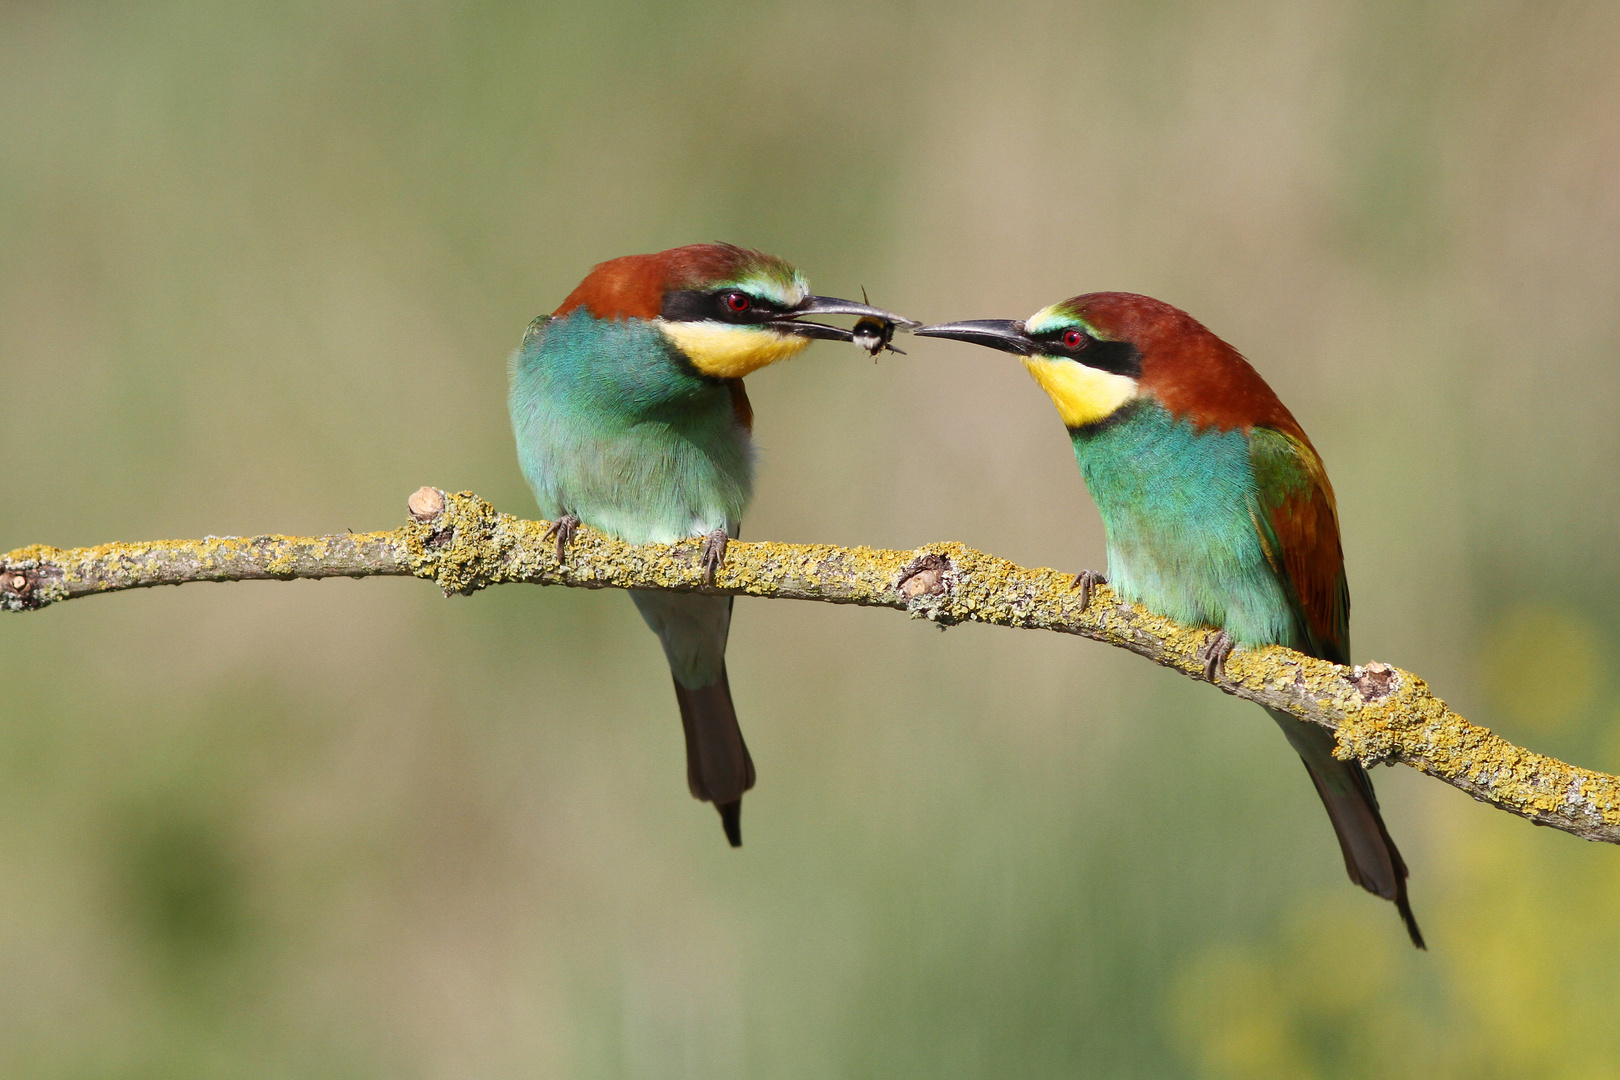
<point>832,305</point>
<point>1005,334</point>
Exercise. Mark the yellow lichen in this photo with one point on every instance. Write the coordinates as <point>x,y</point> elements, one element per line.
<point>470,545</point>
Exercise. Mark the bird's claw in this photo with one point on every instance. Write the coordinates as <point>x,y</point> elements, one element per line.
<point>1216,648</point>
<point>1086,581</point>
<point>713,554</point>
<point>563,529</point>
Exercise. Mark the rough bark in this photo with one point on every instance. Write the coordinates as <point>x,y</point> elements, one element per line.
<point>1378,712</point>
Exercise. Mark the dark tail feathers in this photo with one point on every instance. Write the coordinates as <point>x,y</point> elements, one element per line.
<point>718,768</point>
<point>1370,856</point>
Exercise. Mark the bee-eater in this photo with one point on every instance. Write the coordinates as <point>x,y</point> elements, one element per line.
<point>631,418</point>
<point>1216,507</point>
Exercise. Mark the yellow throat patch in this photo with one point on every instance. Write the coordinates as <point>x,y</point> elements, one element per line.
<point>1083,395</point>
<point>725,351</point>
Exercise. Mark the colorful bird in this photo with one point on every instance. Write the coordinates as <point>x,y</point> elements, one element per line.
<point>1216,507</point>
<point>631,418</point>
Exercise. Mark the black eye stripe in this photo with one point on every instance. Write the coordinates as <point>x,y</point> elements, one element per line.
<point>695,305</point>
<point>1117,357</point>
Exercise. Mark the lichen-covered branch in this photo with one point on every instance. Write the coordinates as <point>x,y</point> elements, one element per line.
<point>1380,713</point>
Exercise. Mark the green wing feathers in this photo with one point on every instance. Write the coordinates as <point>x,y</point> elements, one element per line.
<point>1298,523</point>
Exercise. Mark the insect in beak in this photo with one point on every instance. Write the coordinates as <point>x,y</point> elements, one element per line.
<point>874,334</point>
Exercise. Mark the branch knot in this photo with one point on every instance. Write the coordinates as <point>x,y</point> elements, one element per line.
<point>454,540</point>
<point>1375,682</point>
<point>24,584</point>
<point>925,583</point>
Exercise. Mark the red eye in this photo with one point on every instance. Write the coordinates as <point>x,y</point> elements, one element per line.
<point>738,303</point>
<point>1073,339</point>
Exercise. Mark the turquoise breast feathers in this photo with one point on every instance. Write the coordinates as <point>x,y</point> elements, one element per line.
<point>610,429</point>
<point>1158,480</point>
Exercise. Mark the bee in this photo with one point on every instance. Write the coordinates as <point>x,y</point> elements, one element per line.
<point>874,334</point>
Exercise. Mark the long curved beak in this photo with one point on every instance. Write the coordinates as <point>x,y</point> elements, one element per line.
<point>1005,334</point>
<point>832,305</point>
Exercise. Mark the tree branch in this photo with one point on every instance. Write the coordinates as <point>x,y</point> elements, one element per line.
<point>1379,713</point>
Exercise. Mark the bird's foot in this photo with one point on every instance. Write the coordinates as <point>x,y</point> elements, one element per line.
<point>1216,648</point>
<point>1086,581</point>
<point>563,529</point>
<point>713,554</point>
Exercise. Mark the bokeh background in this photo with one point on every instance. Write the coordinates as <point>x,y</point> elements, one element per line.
<point>260,269</point>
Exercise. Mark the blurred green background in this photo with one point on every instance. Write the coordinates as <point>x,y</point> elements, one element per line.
<point>260,269</point>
